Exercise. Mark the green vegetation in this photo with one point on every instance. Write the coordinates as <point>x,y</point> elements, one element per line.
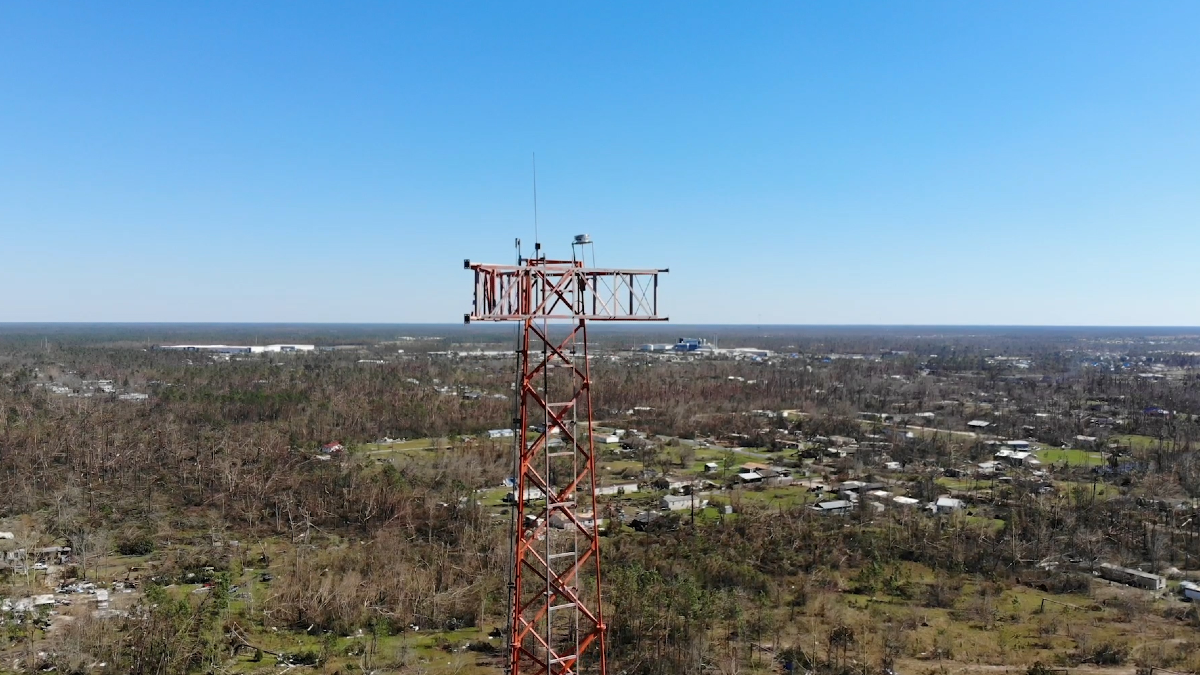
<point>1135,441</point>
<point>1071,456</point>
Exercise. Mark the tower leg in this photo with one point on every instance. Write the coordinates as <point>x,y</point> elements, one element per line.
<point>555,585</point>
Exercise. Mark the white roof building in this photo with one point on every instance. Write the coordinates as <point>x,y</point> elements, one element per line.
<point>624,488</point>
<point>837,507</point>
<point>948,505</point>
<point>681,502</point>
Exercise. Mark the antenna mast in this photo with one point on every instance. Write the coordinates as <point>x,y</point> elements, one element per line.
<point>555,613</point>
<point>537,240</point>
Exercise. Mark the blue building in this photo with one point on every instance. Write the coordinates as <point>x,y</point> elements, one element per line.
<point>690,344</point>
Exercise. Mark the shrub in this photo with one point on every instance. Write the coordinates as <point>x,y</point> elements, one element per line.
<point>1038,668</point>
<point>302,658</point>
<point>1109,654</point>
<point>941,594</point>
<point>135,545</point>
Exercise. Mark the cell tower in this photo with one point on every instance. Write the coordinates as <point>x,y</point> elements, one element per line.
<point>555,614</point>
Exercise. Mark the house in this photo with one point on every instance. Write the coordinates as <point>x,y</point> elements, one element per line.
<point>682,502</point>
<point>29,604</point>
<point>859,487</point>
<point>948,505</point>
<point>55,555</point>
<point>979,425</point>
<point>561,521</point>
<point>839,507</point>
<point>749,477</point>
<point>611,439</point>
<point>500,433</point>
<point>331,448</point>
<point>711,467</point>
<point>622,489</point>
<point>905,501</point>
<point>892,466</point>
<point>778,479</point>
<point>989,468</point>
<point>1017,445</point>
<point>1191,591</point>
<point>1131,577</point>
<point>671,483</point>
<point>1018,457</point>
<point>60,555</point>
<point>755,467</point>
<point>642,521</point>
<point>531,494</point>
<point>773,474</point>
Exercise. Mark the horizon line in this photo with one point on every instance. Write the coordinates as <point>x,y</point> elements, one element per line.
<point>641,325</point>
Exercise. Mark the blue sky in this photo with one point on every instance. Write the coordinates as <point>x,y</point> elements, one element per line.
<point>794,162</point>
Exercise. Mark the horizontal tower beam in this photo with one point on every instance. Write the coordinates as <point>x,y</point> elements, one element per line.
<point>563,289</point>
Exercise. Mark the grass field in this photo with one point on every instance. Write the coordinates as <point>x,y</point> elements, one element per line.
<point>960,483</point>
<point>1072,456</point>
<point>1135,441</point>
<point>785,497</point>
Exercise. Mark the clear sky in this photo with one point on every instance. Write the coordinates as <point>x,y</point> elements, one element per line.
<point>797,162</point>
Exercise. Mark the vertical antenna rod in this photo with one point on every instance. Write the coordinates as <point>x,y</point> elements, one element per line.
<point>537,240</point>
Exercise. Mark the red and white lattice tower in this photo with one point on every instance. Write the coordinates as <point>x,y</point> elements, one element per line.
<point>555,612</point>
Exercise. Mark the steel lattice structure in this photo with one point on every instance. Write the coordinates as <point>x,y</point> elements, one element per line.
<point>555,614</point>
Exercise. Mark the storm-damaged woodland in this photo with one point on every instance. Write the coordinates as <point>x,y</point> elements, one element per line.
<point>841,502</point>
